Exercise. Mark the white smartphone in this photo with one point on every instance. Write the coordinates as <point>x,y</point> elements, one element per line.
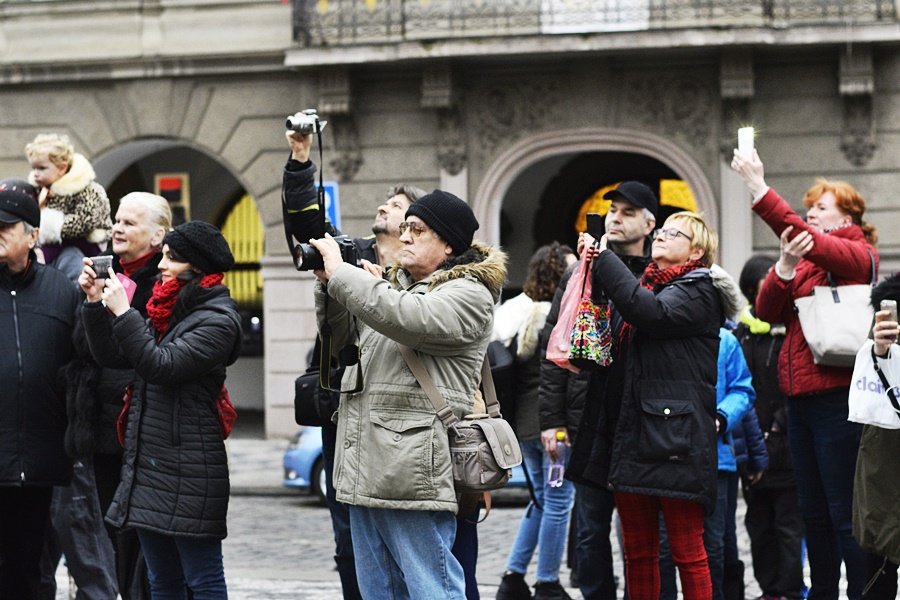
<point>745,141</point>
<point>890,305</point>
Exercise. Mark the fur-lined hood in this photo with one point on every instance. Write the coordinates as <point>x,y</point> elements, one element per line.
<point>729,292</point>
<point>79,176</point>
<point>482,262</point>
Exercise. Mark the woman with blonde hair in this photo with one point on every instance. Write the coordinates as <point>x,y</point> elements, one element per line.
<point>833,239</point>
<point>659,399</point>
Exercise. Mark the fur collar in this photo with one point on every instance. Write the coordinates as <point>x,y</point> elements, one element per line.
<point>481,262</point>
<point>80,175</point>
<point>522,319</point>
<point>728,289</point>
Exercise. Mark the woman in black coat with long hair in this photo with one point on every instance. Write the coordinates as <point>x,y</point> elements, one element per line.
<point>174,489</point>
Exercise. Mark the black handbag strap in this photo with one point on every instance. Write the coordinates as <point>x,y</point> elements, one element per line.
<point>892,395</point>
<point>444,413</point>
<point>833,284</point>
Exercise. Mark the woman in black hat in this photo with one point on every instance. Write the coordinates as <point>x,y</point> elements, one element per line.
<point>174,489</point>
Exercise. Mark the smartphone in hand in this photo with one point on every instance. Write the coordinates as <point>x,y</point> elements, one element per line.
<point>101,265</point>
<point>890,305</point>
<point>595,225</point>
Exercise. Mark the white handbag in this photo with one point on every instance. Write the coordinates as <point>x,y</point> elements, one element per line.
<point>873,398</point>
<point>836,320</point>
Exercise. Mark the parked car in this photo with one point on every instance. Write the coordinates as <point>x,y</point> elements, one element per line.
<point>304,468</point>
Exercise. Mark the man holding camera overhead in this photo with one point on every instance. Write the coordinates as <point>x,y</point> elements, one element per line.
<point>393,464</point>
<point>303,221</point>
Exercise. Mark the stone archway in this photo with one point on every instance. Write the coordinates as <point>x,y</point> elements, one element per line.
<point>509,165</point>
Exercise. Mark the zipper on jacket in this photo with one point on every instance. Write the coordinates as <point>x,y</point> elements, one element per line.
<point>20,421</point>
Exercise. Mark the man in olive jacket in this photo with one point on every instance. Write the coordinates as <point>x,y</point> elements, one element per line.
<point>37,314</point>
<point>393,459</point>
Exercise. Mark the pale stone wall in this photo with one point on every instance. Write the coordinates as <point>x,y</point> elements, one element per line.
<point>219,78</point>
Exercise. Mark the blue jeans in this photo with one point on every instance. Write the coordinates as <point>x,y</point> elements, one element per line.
<point>542,529</point>
<point>713,541</point>
<point>176,563</point>
<point>824,447</point>
<point>593,551</point>
<point>404,554</point>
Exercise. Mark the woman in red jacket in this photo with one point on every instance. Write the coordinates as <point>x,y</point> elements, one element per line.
<point>833,239</point>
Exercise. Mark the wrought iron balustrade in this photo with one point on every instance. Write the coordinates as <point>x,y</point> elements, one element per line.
<point>350,22</point>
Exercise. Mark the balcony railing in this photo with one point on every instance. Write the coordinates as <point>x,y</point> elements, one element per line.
<point>350,22</point>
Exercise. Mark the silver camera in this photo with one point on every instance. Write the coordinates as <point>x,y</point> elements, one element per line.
<point>304,122</point>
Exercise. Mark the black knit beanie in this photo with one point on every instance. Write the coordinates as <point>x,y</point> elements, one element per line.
<point>449,216</point>
<point>201,245</point>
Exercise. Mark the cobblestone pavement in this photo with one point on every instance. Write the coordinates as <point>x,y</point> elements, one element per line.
<point>280,543</point>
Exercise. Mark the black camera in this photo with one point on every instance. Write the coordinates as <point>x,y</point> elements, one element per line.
<point>307,258</point>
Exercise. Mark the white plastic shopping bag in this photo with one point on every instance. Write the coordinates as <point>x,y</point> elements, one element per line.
<point>870,400</point>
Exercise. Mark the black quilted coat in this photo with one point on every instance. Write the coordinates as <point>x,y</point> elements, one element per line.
<point>175,469</point>
<point>37,313</point>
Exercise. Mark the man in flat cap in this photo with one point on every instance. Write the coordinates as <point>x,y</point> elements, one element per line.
<point>37,315</point>
<point>393,464</point>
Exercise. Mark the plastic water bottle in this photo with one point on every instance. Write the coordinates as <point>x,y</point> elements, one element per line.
<point>558,467</point>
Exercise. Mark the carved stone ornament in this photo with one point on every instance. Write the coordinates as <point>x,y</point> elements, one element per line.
<point>510,110</point>
<point>347,157</point>
<point>858,141</point>
<point>856,85</point>
<point>681,107</point>
<point>452,147</point>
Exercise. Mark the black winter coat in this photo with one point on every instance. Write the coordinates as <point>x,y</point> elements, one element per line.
<point>93,393</point>
<point>665,437</point>
<point>37,314</point>
<point>175,469</point>
<point>589,460</point>
<point>761,352</point>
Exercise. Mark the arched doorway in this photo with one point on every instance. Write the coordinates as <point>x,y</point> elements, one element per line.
<point>532,193</point>
<point>200,187</point>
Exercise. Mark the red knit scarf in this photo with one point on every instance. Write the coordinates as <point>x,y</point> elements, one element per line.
<point>159,310</point>
<point>654,276</point>
<point>165,294</point>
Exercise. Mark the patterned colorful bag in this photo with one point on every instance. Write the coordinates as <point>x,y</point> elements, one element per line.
<point>582,337</point>
<point>591,335</point>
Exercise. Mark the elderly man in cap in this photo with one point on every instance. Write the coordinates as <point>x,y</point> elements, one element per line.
<point>393,459</point>
<point>628,224</point>
<point>37,315</point>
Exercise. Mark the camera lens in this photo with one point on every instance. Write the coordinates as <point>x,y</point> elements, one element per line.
<point>307,258</point>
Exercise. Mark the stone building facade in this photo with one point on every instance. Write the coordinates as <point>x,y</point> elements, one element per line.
<point>520,112</point>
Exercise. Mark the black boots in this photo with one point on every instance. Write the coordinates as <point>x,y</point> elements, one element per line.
<point>550,590</point>
<point>513,587</point>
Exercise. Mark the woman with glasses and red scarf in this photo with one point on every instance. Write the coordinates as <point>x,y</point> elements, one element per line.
<point>659,400</point>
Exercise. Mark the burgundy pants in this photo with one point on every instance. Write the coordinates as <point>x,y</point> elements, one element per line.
<point>640,528</point>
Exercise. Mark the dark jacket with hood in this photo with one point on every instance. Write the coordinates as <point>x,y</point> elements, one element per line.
<point>37,314</point>
<point>876,485</point>
<point>175,469</point>
<point>564,395</point>
<point>93,393</point>
<point>659,396</point>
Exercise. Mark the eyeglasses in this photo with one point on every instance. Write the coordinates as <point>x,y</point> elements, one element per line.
<point>415,229</point>
<point>670,233</point>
